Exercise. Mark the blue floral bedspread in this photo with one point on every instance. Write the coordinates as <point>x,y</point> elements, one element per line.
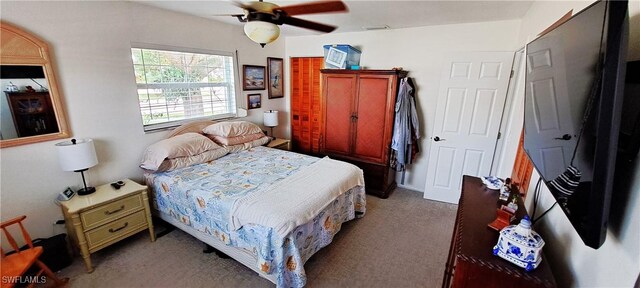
<point>201,196</point>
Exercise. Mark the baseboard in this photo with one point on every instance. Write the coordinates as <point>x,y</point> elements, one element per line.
<point>408,187</point>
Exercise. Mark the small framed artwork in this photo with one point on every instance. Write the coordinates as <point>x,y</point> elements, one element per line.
<point>253,77</point>
<point>254,101</point>
<point>275,70</point>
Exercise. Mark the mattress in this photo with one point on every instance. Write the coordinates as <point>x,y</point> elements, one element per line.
<point>202,197</point>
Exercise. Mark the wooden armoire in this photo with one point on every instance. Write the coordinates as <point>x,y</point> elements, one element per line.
<point>306,101</point>
<point>358,115</point>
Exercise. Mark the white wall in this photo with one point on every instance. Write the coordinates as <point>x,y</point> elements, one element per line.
<point>91,43</point>
<point>422,51</point>
<point>617,262</point>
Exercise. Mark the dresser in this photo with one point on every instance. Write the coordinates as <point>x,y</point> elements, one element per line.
<point>470,262</point>
<point>107,216</point>
<point>358,109</point>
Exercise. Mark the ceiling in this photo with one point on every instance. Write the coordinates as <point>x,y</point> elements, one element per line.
<point>395,14</point>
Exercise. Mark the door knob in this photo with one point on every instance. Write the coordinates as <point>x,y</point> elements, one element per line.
<point>565,137</point>
<point>438,139</point>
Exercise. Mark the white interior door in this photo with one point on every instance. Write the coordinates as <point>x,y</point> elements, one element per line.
<point>470,103</point>
<point>547,102</point>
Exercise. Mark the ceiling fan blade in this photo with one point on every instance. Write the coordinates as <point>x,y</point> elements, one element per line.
<point>232,15</point>
<point>308,24</point>
<point>257,6</point>
<point>245,6</point>
<point>314,7</point>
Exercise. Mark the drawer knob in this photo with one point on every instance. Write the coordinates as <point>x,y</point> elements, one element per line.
<point>114,211</point>
<point>118,229</point>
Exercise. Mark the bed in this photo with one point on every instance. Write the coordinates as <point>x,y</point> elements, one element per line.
<point>269,209</point>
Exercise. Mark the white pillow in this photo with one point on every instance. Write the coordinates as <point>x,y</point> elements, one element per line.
<point>248,145</point>
<point>229,141</point>
<point>183,145</point>
<point>193,126</point>
<point>232,129</point>
<point>181,162</point>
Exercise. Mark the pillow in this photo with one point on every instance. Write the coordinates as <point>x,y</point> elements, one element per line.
<point>244,146</point>
<point>183,145</point>
<point>195,127</point>
<point>181,162</point>
<point>231,129</point>
<point>228,141</point>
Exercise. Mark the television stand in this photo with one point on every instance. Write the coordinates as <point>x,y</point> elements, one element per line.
<point>471,262</point>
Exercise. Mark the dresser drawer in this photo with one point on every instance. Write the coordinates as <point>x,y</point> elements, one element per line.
<point>116,229</point>
<point>106,213</point>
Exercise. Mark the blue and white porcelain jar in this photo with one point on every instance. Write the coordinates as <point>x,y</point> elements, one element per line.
<point>520,245</point>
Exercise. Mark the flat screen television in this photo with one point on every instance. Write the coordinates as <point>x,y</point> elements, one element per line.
<point>575,77</point>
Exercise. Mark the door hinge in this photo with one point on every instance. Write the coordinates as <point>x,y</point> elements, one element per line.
<point>499,135</point>
<point>511,75</point>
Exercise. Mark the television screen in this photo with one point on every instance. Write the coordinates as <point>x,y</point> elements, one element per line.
<point>573,97</point>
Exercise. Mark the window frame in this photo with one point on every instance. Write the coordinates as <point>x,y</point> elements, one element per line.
<point>175,123</point>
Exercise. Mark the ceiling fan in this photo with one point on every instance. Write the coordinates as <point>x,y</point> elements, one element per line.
<point>262,18</point>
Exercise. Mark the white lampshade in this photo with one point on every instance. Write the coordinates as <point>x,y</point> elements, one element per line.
<point>261,32</point>
<point>270,118</point>
<point>78,156</point>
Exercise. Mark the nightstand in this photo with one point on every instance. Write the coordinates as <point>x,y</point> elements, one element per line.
<point>282,144</point>
<point>107,216</point>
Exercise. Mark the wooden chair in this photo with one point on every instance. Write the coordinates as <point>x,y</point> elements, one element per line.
<point>15,265</point>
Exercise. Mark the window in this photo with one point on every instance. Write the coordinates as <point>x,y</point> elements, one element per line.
<point>174,86</point>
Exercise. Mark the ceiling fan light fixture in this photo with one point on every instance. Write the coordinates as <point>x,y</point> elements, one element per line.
<point>261,32</point>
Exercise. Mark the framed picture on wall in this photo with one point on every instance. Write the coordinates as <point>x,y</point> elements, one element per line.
<point>254,101</point>
<point>253,77</point>
<point>275,69</point>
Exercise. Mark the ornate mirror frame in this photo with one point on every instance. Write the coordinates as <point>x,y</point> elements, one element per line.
<point>18,47</point>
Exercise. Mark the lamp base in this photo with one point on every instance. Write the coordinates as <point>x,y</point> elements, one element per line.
<point>86,191</point>
<point>273,137</point>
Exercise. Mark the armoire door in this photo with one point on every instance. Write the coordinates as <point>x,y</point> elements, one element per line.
<point>306,98</point>
<point>374,117</point>
<point>338,109</point>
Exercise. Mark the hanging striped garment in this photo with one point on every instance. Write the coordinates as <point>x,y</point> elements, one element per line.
<point>566,183</point>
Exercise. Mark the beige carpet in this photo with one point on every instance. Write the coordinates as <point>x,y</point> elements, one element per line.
<point>401,242</point>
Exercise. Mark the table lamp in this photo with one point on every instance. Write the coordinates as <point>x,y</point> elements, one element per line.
<point>271,120</point>
<point>78,156</point>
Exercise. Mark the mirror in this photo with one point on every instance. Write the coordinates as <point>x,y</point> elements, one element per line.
<point>31,107</point>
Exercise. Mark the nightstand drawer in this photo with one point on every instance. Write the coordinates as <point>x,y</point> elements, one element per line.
<point>105,214</point>
<point>116,229</point>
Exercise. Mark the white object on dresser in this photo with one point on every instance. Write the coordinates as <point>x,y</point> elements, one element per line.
<point>107,216</point>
